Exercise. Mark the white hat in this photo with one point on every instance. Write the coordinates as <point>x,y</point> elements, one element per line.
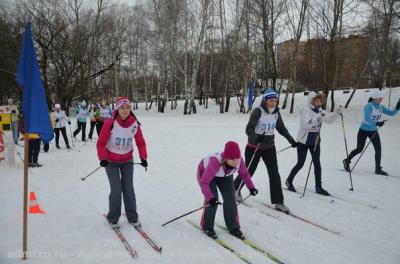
<point>57,106</point>
<point>83,103</point>
<point>377,94</point>
<point>10,100</point>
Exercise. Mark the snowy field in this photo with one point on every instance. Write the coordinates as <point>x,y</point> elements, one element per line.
<point>74,231</point>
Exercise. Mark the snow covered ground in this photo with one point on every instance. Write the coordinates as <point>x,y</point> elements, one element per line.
<point>74,231</point>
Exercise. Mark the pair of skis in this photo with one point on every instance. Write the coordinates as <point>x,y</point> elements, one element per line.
<point>132,252</point>
<point>247,242</point>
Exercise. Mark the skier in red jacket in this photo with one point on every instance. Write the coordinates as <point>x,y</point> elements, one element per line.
<point>115,152</point>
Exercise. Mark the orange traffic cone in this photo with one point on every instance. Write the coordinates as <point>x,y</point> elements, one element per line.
<point>34,207</point>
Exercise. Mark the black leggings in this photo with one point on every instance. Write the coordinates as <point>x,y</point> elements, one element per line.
<point>98,126</point>
<point>301,158</point>
<point>34,149</point>
<point>81,125</point>
<point>270,161</point>
<point>376,142</point>
<point>63,131</point>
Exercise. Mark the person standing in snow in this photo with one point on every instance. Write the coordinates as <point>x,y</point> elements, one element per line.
<point>82,114</point>
<point>61,121</point>
<point>33,145</point>
<point>105,113</point>
<point>216,170</point>
<point>260,131</point>
<point>14,112</point>
<point>373,111</point>
<point>115,152</point>
<point>94,116</point>
<point>309,139</point>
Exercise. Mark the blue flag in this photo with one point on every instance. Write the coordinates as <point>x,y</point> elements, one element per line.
<point>250,94</point>
<point>34,104</point>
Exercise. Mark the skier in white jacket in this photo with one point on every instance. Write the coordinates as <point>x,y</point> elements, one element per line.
<point>60,123</point>
<point>308,139</point>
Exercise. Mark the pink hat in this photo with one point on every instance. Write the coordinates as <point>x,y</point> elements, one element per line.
<point>122,101</point>
<point>231,151</point>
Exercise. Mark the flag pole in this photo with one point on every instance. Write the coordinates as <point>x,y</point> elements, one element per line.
<point>25,206</point>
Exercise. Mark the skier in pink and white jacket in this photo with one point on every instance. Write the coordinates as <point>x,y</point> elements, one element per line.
<point>217,170</point>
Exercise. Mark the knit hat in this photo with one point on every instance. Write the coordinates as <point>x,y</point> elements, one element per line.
<point>122,101</point>
<point>377,94</point>
<point>57,106</point>
<point>269,94</point>
<point>231,151</point>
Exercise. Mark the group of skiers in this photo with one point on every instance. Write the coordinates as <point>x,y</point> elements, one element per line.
<point>216,171</point>
<point>119,128</point>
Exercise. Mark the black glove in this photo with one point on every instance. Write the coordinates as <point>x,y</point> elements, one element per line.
<point>103,163</point>
<point>69,122</point>
<point>13,111</point>
<point>57,120</point>
<point>398,105</point>
<point>293,144</point>
<point>379,124</point>
<point>144,163</point>
<point>213,202</point>
<point>259,139</point>
<point>253,191</point>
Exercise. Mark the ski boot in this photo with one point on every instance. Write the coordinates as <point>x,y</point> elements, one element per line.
<point>346,165</point>
<point>282,207</point>
<point>320,190</point>
<point>237,233</point>
<point>210,233</point>
<point>379,171</point>
<point>289,185</point>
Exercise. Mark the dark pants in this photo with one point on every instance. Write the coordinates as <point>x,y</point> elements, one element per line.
<point>46,147</point>
<point>120,176</point>
<point>98,126</point>
<point>63,131</point>
<point>34,149</point>
<point>225,186</point>
<point>301,158</point>
<point>376,142</point>
<point>270,161</point>
<point>81,125</point>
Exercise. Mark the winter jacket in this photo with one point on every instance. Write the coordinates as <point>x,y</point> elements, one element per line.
<point>82,114</point>
<point>373,114</point>
<point>14,116</point>
<point>213,166</point>
<point>311,119</point>
<point>60,119</point>
<point>261,120</point>
<point>115,140</point>
<point>105,113</point>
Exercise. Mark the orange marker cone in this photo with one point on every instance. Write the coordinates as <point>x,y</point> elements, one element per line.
<point>34,207</point>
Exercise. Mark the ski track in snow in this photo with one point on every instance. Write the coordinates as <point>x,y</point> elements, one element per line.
<point>74,231</point>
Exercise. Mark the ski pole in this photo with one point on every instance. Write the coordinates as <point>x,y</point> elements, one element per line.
<point>282,150</point>
<point>245,198</point>
<point>362,153</point>
<point>309,169</point>
<point>188,213</point>
<point>85,177</point>
<point>347,151</point>
<point>70,132</point>
<point>251,161</point>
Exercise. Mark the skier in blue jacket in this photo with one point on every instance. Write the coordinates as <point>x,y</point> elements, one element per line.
<point>369,128</point>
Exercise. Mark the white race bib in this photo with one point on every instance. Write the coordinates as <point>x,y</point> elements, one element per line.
<point>220,172</point>
<point>121,139</point>
<point>266,123</point>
